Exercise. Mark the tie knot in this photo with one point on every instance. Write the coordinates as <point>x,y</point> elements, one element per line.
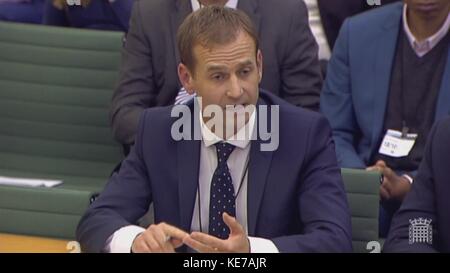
<point>223,151</point>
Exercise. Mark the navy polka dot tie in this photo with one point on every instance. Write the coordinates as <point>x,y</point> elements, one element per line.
<point>222,193</point>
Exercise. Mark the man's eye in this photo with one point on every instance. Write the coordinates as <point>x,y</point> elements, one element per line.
<point>218,77</point>
<point>245,72</point>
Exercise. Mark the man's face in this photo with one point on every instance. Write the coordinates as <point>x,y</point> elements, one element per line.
<point>428,8</point>
<point>225,74</point>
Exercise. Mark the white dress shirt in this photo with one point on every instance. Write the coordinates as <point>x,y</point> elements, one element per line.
<point>122,239</point>
<point>315,23</point>
<point>423,47</point>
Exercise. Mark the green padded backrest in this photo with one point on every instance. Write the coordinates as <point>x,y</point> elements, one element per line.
<point>55,89</point>
<point>362,189</point>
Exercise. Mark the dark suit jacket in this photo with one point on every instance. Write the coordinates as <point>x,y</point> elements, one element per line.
<point>429,198</point>
<point>334,12</point>
<point>355,93</point>
<point>150,57</point>
<point>100,14</point>
<point>295,195</point>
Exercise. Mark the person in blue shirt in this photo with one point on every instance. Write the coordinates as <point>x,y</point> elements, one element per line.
<point>99,14</point>
<point>24,11</point>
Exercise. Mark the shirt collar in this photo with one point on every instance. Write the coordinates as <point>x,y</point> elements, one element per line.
<point>230,4</point>
<point>425,46</point>
<point>209,138</point>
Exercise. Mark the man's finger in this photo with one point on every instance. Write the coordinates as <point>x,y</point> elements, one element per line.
<point>384,193</point>
<point>161,238</point>
<point>389,173</point>
<point>373,168</point>
<point>173,232</point>
<point>381,164</point>
<point>209,240</point>
<point>140,246</point>
<point>233,224</point>
<point>151,242</point>
<point>198,246</point>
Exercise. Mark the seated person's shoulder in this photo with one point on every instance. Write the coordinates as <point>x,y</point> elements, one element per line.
<point>155,7</point>
<point>298,118</point>
<point>281,9</point>
<point>442,134</point>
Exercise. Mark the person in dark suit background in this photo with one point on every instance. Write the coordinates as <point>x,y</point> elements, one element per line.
<point>23,11</point>
<point>148,76</point>
<point>98,14</point>
<point>333,14</point>
<point>388,81</point>
<point>290,198</point>
<point>428,199</point>
<point>326,18</point>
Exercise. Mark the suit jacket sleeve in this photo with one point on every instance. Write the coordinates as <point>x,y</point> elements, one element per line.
<point>419,203</point>
<point>322,201</point>
<point>336,102</point>
<point>126,198</point>
<point>135,89</point>
<point>300,69</point>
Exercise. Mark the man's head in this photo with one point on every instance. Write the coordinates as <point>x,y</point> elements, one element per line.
<point>428,8</point>
<point>220,60</point>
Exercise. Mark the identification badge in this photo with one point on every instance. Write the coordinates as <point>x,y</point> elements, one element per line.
<point>396,144</point>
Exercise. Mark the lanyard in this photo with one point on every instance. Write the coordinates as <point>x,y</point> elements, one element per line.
<point>244,174</point>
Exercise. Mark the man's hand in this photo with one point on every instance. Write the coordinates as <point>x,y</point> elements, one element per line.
<point>393,186</point>
<point>161,238</point>
<point>237,242</point>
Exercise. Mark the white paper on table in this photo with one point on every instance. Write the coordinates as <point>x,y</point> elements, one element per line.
<point>29,182</point>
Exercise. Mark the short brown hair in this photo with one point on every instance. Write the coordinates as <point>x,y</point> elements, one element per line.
<point>209,26</point>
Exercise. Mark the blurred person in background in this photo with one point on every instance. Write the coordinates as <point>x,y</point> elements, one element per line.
<point>98,14</point>
<point>24,11</point>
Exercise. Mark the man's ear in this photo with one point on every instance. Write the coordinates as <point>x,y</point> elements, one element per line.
<point>186,79</point>
<point>259,64</point>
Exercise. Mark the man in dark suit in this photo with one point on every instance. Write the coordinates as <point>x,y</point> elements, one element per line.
<point>428,200</point>
<point>239,196</point>
<point>388,82</point>
<point>148,76</point>
<point>333,14</point>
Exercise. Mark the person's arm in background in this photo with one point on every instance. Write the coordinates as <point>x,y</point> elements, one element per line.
<point>301,78</point>
<point>336,103</point>
<point>135,89</point>
<point>419,203</point>
<point>54,16</point>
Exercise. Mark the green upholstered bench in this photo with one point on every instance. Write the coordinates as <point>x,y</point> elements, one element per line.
<point>362,189</point>
<point>55,89</point>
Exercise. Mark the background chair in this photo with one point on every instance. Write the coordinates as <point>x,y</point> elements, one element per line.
<point>362,189</point>
<point>55,89</point>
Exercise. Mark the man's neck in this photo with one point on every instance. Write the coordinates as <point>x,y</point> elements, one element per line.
<point>423,28</point>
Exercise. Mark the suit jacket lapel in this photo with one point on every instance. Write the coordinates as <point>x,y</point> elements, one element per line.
<point>182,10</point>
<point>443,103</point>
<point>259,166</point>
<point>188,162</point>
<point>384,59</point>
<point>250,7</point>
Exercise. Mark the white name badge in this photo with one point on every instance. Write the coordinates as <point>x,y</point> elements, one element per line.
<point>396,145</point>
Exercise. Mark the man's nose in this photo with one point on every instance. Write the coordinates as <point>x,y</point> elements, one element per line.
<point>235,91</point>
